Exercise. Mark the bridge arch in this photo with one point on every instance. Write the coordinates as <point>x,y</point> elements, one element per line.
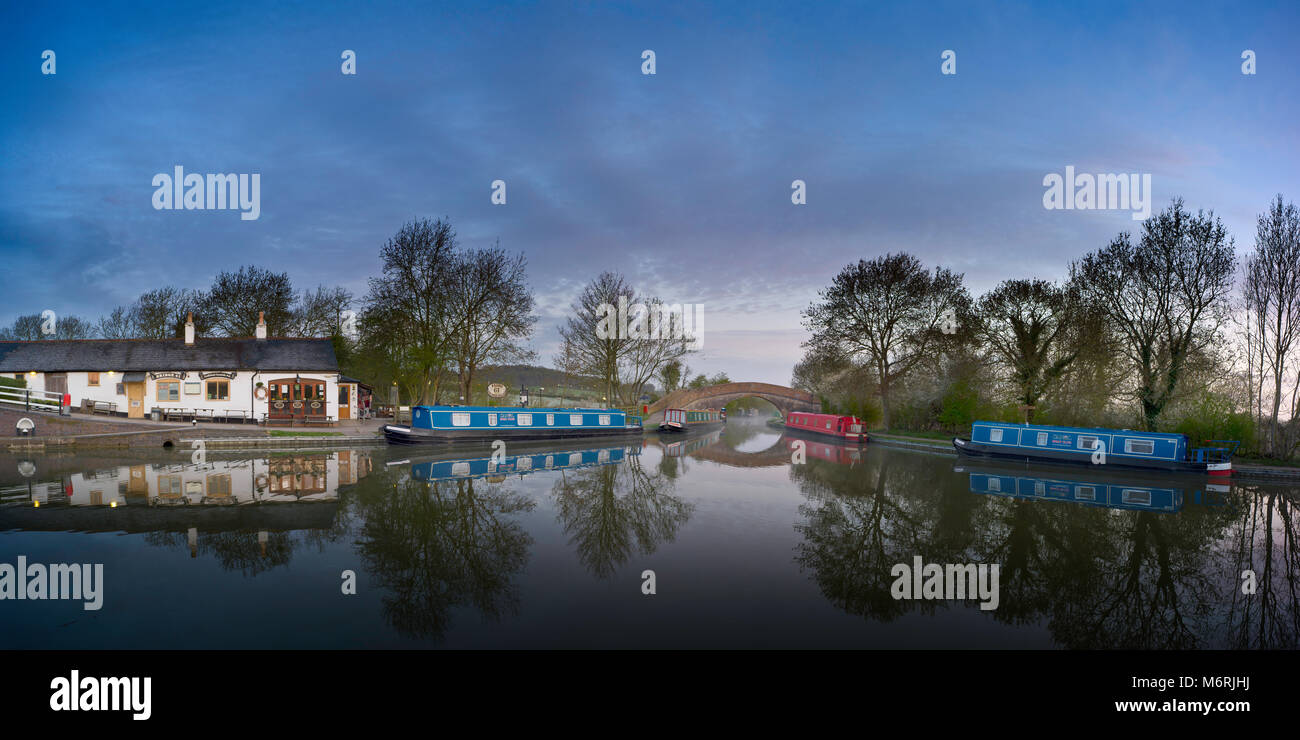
<point>717,396</point>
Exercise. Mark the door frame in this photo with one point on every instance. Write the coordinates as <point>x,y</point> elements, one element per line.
<point>136,411</point>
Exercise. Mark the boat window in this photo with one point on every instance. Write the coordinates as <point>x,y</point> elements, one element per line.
<point>1040,488</point>
<point>1088,442</point>
<point>995,435</point>
<point>604,419</point>
<point>550,420</point>
<point>1140,446</point>
<point>492,420</point>
<point>1086,492</point>
<point>575,458</point>
<point>575,420</point>
<point>550,461</point>
<point>524,420</point>
<point>1137,496</point>
<point>995,484</point>
<point>603,456</point>
<point>460,420</point>
<point>460,468</point>
<point>1042,438</point>
<point>524,463</point>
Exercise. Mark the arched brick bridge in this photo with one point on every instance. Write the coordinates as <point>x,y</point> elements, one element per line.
<point>717,396</point>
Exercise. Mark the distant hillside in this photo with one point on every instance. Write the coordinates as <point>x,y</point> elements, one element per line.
<point>515,376</point>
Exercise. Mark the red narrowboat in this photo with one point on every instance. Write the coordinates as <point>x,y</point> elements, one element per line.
<point>849,428</point>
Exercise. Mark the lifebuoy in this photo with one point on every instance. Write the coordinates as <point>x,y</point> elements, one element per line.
<point>260,393</point>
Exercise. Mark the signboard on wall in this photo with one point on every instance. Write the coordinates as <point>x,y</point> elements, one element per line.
<point>497,390</point>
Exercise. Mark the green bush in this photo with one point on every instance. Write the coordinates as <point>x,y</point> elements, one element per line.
<point>1213,417</point>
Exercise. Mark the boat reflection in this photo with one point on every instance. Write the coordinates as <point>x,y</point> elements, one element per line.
<point>840,454</point>
<point>1111,489</point>
<point>492,467</point>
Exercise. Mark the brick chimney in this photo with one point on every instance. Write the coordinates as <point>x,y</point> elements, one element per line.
<point>189,329</point>
<point>261,325</point>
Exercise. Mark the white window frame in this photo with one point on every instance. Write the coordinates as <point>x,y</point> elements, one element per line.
<point>492,420</point>
<point>1136,496</point>
<point>995,434</point>
<point>460,468</point>
<point>550,420</point>
<point>1042,439</point>
<point>1089,447</point>
<point>1128,446</point>
<point>1091,494</point>
<point>524,420</point>
<point>524,463</point>
<point>995,484</point>
<point>575,420</point>
<point>460,418</point>
<point>603,420</point>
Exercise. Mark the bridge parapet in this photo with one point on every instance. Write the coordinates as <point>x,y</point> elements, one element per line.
<point>716,396</point>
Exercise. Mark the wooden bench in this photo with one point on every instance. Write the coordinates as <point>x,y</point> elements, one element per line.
<point>103,407</point>
<point>321,420</point>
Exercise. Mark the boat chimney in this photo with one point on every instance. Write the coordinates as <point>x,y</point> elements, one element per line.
<point>260,332</point>
<point>189,329</point>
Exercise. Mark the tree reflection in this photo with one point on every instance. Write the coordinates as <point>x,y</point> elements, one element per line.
<point>437,546</point>
<point>611,511</point>
<point>1096,577</point>
<point>1264,540</point>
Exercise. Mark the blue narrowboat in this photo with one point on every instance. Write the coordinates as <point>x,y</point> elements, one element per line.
<point>445,424</point>
<point>1121,448</point>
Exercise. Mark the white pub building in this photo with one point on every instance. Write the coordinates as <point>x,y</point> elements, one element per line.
<point>272,380</point>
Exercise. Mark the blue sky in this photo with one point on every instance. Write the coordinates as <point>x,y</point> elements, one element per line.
<point>680,180</point>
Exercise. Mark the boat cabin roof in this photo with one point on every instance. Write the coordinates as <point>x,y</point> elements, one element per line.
<point>1081,430</point>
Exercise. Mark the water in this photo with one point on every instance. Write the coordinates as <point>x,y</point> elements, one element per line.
<point>248,550</point>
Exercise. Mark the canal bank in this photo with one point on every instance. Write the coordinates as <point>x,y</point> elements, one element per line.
<point>1241,472</point>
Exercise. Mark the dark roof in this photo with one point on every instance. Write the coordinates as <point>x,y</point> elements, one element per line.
<point>161,355</point>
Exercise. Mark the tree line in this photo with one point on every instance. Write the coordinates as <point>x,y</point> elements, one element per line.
<point>1163,330</point>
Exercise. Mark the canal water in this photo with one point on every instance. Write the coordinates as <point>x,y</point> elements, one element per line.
<point>754,539</point>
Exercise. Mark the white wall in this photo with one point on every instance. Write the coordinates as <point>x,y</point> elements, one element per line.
<point>241,391</point>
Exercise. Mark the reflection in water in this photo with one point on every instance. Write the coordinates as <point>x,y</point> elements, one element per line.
<point>436,545</point>
<point>610,512</point>
<point>248,514</point>
<point>1135,568</point>
<point>1088,558</point>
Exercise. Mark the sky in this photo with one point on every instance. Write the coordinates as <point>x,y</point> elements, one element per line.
<point>680,180</point>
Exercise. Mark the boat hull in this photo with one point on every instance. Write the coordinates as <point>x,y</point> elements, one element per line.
<point>843,437</point>
<point>978,449</point>
<point>399,435</point>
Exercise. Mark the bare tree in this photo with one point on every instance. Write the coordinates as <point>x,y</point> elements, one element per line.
<point>1165,297</point>
<point>1031,328</point>
<point>1272,296</point>
<point>887,313</point>
<point>492,310</point>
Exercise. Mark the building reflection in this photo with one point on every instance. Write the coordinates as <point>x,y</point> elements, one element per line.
<point>248,513</point>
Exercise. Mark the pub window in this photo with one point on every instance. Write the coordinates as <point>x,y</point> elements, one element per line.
<point>219,485</point>
<point>218,390</point>
<point>92,379</point>
<point>169,390</point>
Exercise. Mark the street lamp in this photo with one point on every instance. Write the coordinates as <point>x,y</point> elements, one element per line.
<point>523,396</point>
